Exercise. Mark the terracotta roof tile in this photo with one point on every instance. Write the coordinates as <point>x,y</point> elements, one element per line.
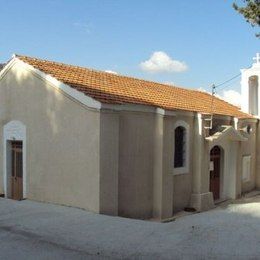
<point>115,89</point>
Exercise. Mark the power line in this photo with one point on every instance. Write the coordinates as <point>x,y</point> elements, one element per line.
<point>223,83</point>
<point>228,80</point>
<point>213,93</point>
<point>229,85</point>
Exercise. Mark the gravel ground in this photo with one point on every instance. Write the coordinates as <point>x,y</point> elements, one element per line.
<point>32,230</point>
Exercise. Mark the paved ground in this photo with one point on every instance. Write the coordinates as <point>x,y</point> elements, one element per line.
<point>31,230</point>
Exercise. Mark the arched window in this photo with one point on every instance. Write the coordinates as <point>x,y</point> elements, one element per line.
<point>181,148</point>
<point>179,151</point>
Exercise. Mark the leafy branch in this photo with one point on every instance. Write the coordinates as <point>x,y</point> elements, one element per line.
<point>251,12</point>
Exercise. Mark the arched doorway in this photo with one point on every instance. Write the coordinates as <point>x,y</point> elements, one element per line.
<point>215,170</point>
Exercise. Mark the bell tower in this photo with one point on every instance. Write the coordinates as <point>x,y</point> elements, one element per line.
<point>250,88</point>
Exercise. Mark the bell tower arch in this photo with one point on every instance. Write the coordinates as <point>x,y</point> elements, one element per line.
<point>250,88</point>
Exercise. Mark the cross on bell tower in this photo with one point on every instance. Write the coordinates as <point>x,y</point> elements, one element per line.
<point>257,58</point>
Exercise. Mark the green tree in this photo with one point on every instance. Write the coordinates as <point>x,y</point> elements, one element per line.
<point>251,12</point>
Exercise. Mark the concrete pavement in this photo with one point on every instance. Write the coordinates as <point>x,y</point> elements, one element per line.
<point>32,230</point>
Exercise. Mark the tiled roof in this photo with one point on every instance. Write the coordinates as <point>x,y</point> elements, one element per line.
<point>115,89</point>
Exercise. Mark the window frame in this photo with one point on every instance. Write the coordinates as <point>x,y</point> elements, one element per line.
<point>184,169</point>
<point>179,156</point>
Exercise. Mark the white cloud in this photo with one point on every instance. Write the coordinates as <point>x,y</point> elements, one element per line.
<point>232,97</point>
<point>169,83</point>
<point>161,62</point>
<point>202,90</point>
<point>111,71</point>
<point>208,92</point>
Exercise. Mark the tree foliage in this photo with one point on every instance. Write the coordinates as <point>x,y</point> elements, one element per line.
<point>250,11</point>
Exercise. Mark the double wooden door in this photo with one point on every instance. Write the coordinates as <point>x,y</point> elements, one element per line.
<point>17,170</point>
<point>214,186</point>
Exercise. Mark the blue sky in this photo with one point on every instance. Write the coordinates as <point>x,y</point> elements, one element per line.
<point>211,39</point>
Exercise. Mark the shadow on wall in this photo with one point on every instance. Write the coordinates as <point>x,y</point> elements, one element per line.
<point>63,139</point>
<point>38,94</point>
<point>36,98</point>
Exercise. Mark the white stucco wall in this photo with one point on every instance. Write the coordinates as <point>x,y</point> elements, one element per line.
<point>62,144</point>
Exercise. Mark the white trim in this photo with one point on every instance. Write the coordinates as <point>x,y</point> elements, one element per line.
<point>229,167</point>
<point>228,133</point>
<point>160,111</point>
<point>235,123</point>
<point>6,68</point>
<point>184,169</point>
<point>223,182</point>
<point>77,95</point>
<point>14,130</point>
<point>200,123</point>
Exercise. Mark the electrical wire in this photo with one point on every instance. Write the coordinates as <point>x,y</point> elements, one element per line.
<point>229,85</point>
<point>230,79</point>
<point>214,92</point>
<point>223,83</point>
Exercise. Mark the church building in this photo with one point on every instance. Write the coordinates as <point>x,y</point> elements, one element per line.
<point>123,146</point>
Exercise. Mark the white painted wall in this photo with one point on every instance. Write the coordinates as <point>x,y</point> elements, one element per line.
<point>62,140</point>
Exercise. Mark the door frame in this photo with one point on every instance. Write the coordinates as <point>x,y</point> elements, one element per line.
<point>229,176</point>
<point>13,131</point>
<point>221,166</point>
<point>16,172</point>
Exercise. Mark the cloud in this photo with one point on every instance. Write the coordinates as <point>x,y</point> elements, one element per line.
<point>203,90</point>
<point>232,97</point>
<point>161,62</point>
<point>170,83</point>
<point>111,71</point>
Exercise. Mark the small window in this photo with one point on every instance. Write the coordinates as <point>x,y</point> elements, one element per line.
<point>246,164</point>
<point>180,147</point>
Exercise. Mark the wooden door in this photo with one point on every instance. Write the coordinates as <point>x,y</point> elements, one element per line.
<point>17,170</point>
<point>215,157</point>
